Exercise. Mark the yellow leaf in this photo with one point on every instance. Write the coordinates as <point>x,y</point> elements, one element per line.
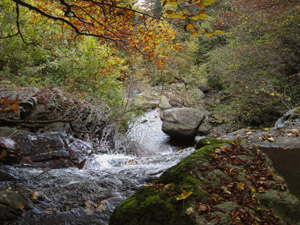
<point>219,32</point>
<point>35,195</point>
<point>207,2</point>
<point>261,190</point>
<point>21,206</point>
<point>241,186</point>
<point>183,195</point>
<point>252,190</point>
<point>209,34</point>
<point>189,26</point>
<point>15,107</point>
<point>171,4</point>
<point>195,33</point>
<point>199,16</point>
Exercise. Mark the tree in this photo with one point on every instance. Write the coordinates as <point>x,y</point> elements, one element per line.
<point>110,20</point>
<point>259,67</point>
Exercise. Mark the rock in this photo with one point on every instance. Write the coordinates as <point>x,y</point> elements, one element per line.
<point>164,103</point>
<point>50,128</point>
<point>178,86</point>
<point>182,123</point>
<point>12,203</point>
<point>195,93</point>
<point>290,118</point>
<point>49,149</point>
<point>221,183</point>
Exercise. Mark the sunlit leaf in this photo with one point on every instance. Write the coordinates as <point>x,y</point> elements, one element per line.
<point>207,2</point>
<point>209,34</point>
<point>21,206</point>
<point>241,186</point>
<point>183,195</point>
<point>219,32</point>
<point>252,189</point>
<point>15,107</point>
<point>199,16</point>
<point>189,26</point>
<point>35,195</point>
<point>271,139</point>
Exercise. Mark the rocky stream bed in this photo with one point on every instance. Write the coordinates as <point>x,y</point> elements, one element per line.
<point>64,162</point>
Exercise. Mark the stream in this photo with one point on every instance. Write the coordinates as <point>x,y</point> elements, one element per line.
<point>89,195</point>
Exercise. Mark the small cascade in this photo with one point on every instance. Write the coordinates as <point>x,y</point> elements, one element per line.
<point>74,196</point>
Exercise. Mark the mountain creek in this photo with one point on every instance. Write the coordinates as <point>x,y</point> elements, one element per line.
<point>73,196</point>
<point>88,188</point>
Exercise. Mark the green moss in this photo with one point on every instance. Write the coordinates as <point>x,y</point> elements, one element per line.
<point>294,197</point>
<point>152,205</point>
<point>211,142</point>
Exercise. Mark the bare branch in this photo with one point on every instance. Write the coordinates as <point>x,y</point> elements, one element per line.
<point>31,7</point>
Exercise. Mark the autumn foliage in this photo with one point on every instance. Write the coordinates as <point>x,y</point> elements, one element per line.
<point>127,27</point>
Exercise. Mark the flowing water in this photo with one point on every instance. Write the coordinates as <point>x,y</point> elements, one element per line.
<point>89,195</point>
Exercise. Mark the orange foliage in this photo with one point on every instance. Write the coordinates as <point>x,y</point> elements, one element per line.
<point>126,27</point>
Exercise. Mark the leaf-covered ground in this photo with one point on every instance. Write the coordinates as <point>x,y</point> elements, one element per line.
<point>220,183</point>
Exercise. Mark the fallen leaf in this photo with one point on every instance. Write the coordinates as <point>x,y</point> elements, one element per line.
<point>252,189</point>
<point>3,154</point>
<point>295,132</point>
<point>35,195</point>
<point>81,164</point>
<point>15,107</point>
<point>261,190</point>
<point>225,190</point>
<point>21,206</point>
<point>201,208</point>
<point>241,186</point>
<point>189,211</point>
<point>271,139</point>
<point>101,206</point>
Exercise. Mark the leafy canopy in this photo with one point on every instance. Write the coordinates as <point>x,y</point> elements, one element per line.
<point>123,24</point>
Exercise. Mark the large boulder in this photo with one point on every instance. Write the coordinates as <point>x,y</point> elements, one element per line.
<point>222,182</point>
<point>182,123</point>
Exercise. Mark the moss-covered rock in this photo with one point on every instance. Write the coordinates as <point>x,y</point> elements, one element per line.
<point>220,183</point>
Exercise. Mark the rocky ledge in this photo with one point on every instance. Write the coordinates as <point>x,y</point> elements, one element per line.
<point>50,128</point>
<point>222,182</point>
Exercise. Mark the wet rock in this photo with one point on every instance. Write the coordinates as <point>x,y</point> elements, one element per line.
<point>41,127</point>
<point>182,123</point>
<point>221,183</point>
<point>12,204</point>
<point>290,118</point>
